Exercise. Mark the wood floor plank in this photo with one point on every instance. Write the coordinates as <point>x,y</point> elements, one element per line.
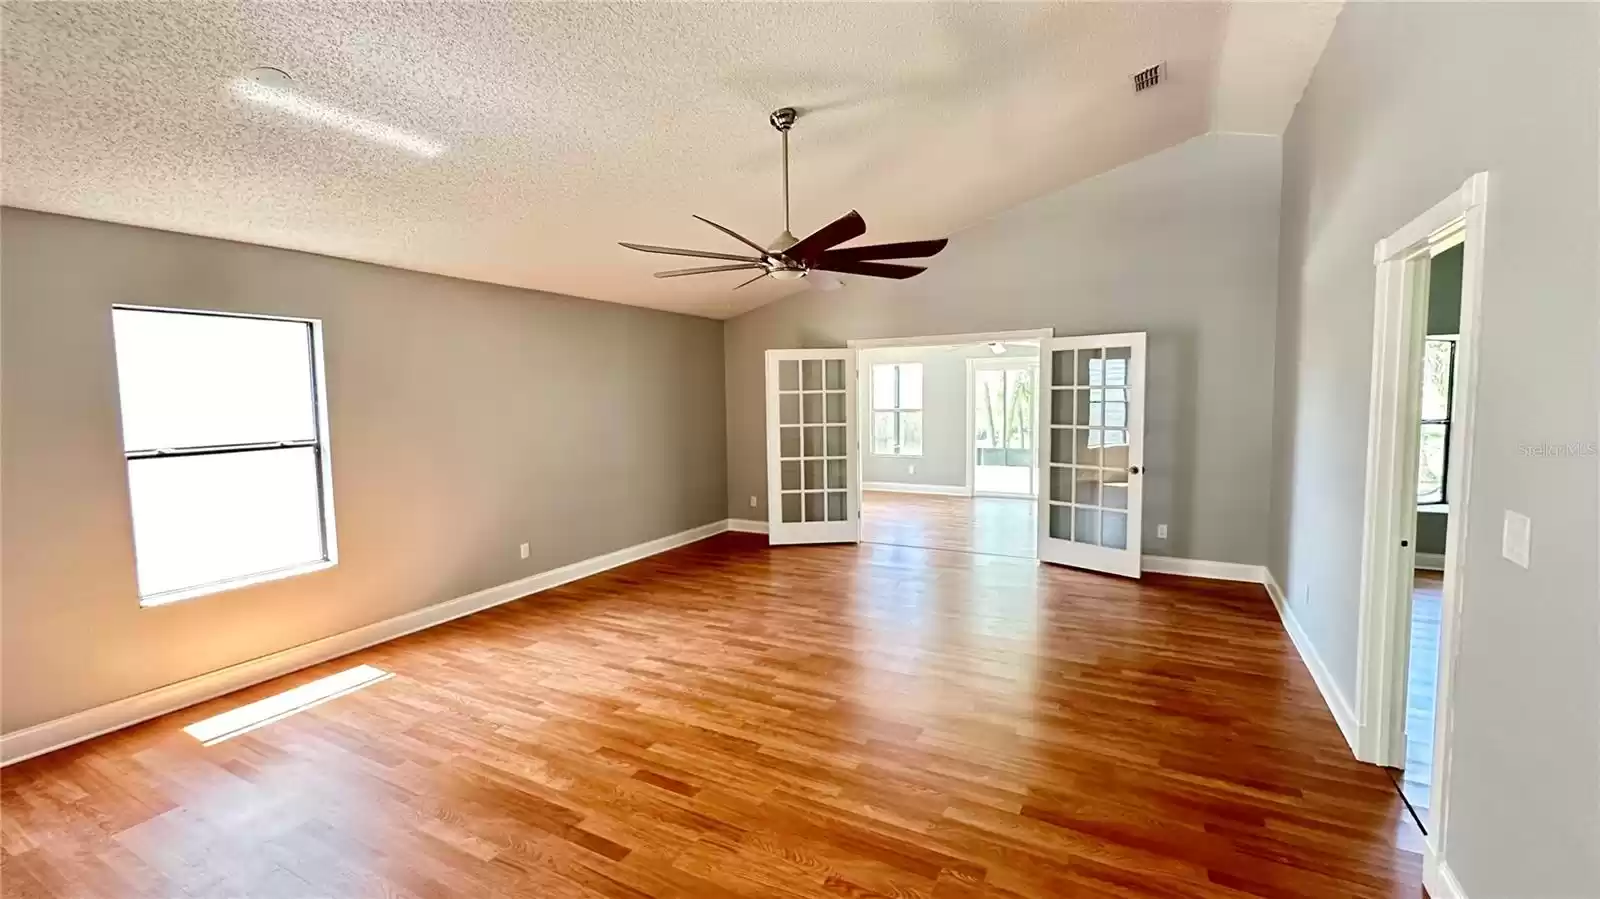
<point>733,720</point>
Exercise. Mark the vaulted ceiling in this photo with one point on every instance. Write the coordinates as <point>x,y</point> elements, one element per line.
<point>568,127</point>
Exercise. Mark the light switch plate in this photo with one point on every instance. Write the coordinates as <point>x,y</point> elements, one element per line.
<point>1516,537</point>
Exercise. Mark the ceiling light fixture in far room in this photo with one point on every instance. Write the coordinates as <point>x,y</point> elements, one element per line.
<point>997,348</point>
<point>274,88</point>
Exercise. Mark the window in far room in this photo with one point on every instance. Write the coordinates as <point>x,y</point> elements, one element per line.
<point>1433,447</point>
<point>897,409</point>
<point>225,441</point>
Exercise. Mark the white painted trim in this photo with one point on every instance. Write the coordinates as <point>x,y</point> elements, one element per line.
<point>1217,571</point>
<point>1430,561</point>
<point>747,526</point>
<point>1437,877</point>
<point>1390,510</point>
<point>932,489</point>
<point>1343,714</point>
<point>90,723</point>
<point>877,343</point>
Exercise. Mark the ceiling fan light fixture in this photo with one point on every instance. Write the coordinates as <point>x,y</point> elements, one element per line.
<point>788,259</point>
<point>997,348</point>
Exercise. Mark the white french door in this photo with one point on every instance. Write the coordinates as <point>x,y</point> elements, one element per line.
<point>1091,502</point>
<point>811,446</point>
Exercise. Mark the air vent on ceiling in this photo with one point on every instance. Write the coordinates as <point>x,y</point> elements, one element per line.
<point>1143,81</point>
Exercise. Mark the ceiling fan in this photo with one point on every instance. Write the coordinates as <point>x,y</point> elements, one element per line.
<point>788,259</point>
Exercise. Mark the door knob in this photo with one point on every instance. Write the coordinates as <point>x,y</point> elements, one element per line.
<point>1133,469</point>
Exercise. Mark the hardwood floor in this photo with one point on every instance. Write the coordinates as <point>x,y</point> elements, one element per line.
<point>728,720</point>
<point>1416,779</point>
<point>983,524</point>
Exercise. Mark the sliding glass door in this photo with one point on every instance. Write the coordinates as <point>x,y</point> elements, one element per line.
<point>1003,416</point>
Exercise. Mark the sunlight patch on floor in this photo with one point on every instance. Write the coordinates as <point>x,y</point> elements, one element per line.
<point>247,718</point>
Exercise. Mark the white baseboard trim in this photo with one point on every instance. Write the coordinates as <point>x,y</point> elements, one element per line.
<point>1429,561</point>
<point>90,723</point>
<point>747,526</point>
<point>931,489</point>
<point>1343,712</point>
<point>1218,571</point>
<point>1437,877</point>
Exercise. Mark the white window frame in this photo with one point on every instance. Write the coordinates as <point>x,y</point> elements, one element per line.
<point>319,445</point>
<point>898,409</point>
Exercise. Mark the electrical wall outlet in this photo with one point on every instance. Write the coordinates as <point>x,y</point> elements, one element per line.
<point>752,501</point>
<point>524,550</point>
<point>1161,532</point>
<point>912,468</point>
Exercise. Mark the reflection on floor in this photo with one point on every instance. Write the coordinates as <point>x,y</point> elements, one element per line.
<point>731,720</point>
<point>1001,526</point>
<point>1417,777</point>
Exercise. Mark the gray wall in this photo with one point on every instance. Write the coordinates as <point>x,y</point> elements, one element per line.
<point>466,419</point>
<point>945,441</point>
<point>1182,244</point>
<point>1409,100</point>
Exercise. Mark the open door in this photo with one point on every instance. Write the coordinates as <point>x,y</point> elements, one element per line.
<point>1091,502</point>
<point>811,447</point>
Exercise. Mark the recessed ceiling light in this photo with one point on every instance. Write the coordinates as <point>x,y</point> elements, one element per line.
<point>273,87</point>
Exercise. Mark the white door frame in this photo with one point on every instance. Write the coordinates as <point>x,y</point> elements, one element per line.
<point>1390,510</point>
<point>877,343</point>
<point>998,363</point>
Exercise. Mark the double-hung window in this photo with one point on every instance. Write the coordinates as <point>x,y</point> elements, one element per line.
<point>1438,388</point>
<point>225,433</point>
<point>897,409</point>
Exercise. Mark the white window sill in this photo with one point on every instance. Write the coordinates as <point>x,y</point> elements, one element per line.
<point>1434,509</point>
<point>250,580</point>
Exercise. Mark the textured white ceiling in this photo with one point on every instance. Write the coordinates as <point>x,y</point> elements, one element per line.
<point>569,127</point>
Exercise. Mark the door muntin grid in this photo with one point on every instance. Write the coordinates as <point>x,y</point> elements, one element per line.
<point>1090,413</point>
<point>813,448</point>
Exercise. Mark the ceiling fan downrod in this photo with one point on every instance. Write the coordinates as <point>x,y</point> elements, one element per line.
<point>783,120</point>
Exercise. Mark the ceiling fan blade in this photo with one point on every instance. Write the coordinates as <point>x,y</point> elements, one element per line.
<point>673,251</point>
<point>735,235</point>
<point>752,280</point>
<point>873,269</point>
<point>845,227</point>
<point>911,249</point>
<point>678,273</point>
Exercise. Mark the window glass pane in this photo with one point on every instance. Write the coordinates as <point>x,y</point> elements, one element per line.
<point>883,433</point>
<point>911,385</point>
<point>1430,468</point>
<point>883,386</point>
<point>1436,365</point>
<point>910,433</point>
<point>202,519</point>
<point>207,380</point>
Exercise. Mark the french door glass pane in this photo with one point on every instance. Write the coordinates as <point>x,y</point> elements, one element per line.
<point>203,519</point>
<point>209,380</point>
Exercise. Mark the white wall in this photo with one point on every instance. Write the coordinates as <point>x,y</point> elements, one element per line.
<point>1408,100</point>
<point>946,444</point>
